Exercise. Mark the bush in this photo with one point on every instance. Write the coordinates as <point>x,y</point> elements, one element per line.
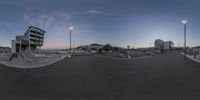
<point>107,47</point>
<point>99,51</point>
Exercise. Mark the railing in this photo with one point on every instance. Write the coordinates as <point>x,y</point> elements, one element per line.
<point>14,55</point>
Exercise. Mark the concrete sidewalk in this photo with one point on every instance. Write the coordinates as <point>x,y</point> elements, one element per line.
<point>19,62</point>
<point>197,59</point>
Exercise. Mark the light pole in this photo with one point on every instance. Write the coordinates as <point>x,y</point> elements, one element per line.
<point>29,45</point>
<point>184,22</point>
<point>134,44</point>
<point>70,31</point>
<point>20,46</point>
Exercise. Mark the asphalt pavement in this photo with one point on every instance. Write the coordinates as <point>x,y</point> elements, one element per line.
<point>161,77</point>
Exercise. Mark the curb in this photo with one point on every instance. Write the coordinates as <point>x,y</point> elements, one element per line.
<point>196,60</point>
<point>123,58</point>
<point>32,66</point>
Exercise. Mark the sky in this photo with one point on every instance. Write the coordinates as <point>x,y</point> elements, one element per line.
<point>117,22</point>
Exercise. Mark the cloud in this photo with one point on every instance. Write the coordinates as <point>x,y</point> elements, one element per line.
<point>56,25</point>
<point>58,36</point>
<point>6,24</point>
<point>46,21</point>
<point>12,3</point>
<point>95,12</point>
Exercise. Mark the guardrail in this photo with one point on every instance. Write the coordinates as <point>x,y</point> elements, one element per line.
<point>14,55</point>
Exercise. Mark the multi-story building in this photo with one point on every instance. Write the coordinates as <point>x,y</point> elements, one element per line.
<point>159,44</point>
<point>5,49</point>
<point>168,45</point>
<point>31,40</point>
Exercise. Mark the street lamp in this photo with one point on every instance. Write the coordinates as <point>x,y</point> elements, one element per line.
<point>184,22</point>
<point>70,31</point>
<point>29,45</point>
<point>20,46</point>
<point>134,44</point>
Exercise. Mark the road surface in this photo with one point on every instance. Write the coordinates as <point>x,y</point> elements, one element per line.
<point>162,77</point>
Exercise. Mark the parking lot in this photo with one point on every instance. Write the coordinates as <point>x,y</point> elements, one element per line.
<point>162,77</point>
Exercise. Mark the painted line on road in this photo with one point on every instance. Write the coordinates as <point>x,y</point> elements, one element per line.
<point>123,58</point>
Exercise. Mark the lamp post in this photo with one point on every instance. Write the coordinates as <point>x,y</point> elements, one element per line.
<point>184,22</point>
<point>70,31</point>
<point>20,46</point>
<point>29,45</point>
<point>134,44</point>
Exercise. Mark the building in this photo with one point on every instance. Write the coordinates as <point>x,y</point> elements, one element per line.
<point>193,50</point>
<point>168,45</point>
<point>159,44</point>
<point>30,41</point>
<point>5,49</point>
<point>197,49</point>
<point>95,46</point>
<point>91,47</point>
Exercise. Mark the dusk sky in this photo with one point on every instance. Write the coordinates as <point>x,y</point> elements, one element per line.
<point>118,22</point>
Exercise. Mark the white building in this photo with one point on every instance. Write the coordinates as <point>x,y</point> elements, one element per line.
<point>196,49</point>
<point>32,39</point>
<point>168,45</point>
<point>160,44</point>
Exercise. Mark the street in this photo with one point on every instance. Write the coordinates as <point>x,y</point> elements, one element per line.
<point>161,77</point>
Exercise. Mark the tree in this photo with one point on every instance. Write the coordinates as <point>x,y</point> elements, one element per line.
<point>99,51</point>
<point>116,48</point>
<point>107,47</point>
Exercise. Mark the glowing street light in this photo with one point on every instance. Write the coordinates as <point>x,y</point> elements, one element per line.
<point>71,28</point>
<point>184,22</point>
<point>70,31</point>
